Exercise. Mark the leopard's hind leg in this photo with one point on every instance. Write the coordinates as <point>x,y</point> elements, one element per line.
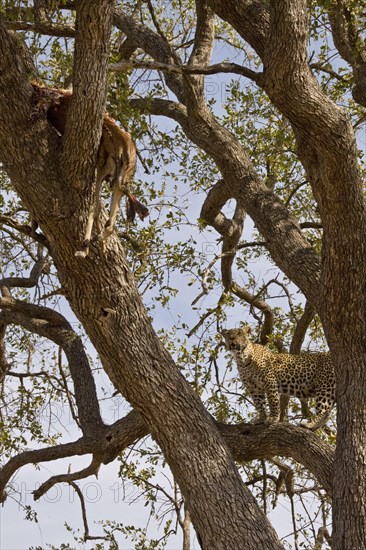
<point>323,407</point>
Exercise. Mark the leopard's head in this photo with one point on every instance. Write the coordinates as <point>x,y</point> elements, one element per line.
<point>236,339</point>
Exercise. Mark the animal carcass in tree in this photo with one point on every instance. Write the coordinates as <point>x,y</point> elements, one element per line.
<point>116,161</point>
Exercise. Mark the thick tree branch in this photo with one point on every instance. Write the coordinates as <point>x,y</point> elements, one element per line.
<point>203,45</point>
<point>204,35</point>
<point>301,327</point>
<point>343,31</point>
<point>230,242</point>
<point>215,200</point>
<point>288,247</point>
<point>105,444</point>
<point>292,88</point>
<point>311,225</point>
<point>4,367</point>
<point>349,42</point>
<point>276,440</point>
<point>27,282</point>
<point>52,325</point>
<point>312,115</point>
<point>161,107</point>
<point>24,229</point>
<point>154,46</point>
<point>127,49</point>
<point>262,305</point>
<point>246,443</point>
<point>42,27</point>
<point>90,470</point>
<point>231,231</point>
<point>84,121</point>
<point>249,17</point>
<point>15,69</point>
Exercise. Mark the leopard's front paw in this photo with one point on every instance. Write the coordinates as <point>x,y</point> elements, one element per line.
<point>260,420</point>
<point>273,419</point>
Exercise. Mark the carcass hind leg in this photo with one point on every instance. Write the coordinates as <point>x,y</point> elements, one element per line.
<point>109,226</point>
<point>93,216</point>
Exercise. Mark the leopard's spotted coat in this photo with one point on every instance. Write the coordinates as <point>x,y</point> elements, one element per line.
<point>270,375</point>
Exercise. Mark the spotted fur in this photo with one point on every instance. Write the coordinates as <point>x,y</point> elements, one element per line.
<point>272,375</point>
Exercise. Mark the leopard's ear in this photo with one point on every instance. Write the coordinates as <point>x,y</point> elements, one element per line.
<point>247,329</point>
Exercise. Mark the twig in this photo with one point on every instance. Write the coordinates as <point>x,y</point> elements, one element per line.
<point>83,513</point>
<point>260,304</point>
<point>311,225</point>
<point>250,244</point>
<point>42,27</point>
<point>295,190</point>
<point>207,272</point>
<point>4,366</point>
<point>205,316</point>
<point>90,470</point>
<point>26,282</point>
<point>233,68</point>
<point>331,72</point>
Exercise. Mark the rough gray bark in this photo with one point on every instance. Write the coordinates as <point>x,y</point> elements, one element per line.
<point>103,295</point>
<point>105,442</point>
<point>347,36</point>
<point>289,248</point>
<point>327,148</point>
<point>111,311</point>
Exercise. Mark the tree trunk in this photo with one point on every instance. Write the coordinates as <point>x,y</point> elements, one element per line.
<point>103,295</point>
<point>349,500</point>
<point>327,149</point>
<point>343,309</point>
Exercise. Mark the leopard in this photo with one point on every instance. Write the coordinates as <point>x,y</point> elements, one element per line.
<point>270,375</point>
